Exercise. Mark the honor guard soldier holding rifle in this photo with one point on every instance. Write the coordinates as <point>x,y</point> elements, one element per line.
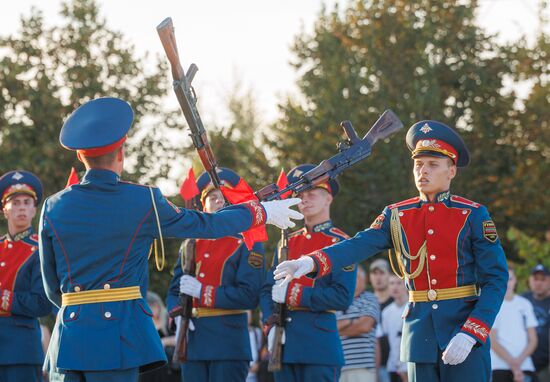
<point>449,254</point>
<point>22,297</point>
<point>95,238</point>
<point>312,351</point>
<point>227,283</point>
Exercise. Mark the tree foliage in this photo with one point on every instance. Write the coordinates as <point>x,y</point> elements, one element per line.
<point>47,72</point>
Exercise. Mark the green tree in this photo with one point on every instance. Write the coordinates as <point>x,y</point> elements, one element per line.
<point>49,71</point>
<point>425,60</point>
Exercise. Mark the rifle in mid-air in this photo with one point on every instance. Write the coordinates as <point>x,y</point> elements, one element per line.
<point>350,151</point>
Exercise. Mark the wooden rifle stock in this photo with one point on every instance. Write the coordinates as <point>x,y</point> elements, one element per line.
<point>185,310</point>
<point>276,356</point>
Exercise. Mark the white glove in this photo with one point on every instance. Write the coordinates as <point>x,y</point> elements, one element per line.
<point>278,291</point>
<point>190,286</point>
<point>271,339</point>
<point>279,212</point>
<point>293,269</point>
<point>458,349</point>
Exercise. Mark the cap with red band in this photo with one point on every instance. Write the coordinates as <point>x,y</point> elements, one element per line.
<point>20,182</point>
<point>97,127</point>
<point>437,139</point>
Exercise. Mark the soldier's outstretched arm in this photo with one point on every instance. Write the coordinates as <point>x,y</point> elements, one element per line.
<point>47,259</point>
<point>363,245</point>
<point>229,221</point>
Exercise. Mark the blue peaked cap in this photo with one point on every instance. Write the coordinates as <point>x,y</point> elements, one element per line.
<point>20,182</point>
<point>433,138</point>
<point>97,123</point>
<point>294,174</point>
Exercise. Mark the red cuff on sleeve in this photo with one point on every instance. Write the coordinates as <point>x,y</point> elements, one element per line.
<point>6,299</point>
<point>208,296</point>
<point>257,211</point>
<point>477,329</point>
<point>324,266</point>
<point>294,294</point>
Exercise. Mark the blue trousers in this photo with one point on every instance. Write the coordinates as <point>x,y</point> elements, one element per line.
<point>214,371</point>
<point>127,375</point>
<point>298,372</point>
<point>475,368</point>
<point>16,373</point>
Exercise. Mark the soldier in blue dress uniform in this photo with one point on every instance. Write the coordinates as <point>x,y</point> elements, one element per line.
<point>312,351</point>
<point>95,238</point>
<point>22,297</point>
<point>448,252</point>
<point>227,284</point>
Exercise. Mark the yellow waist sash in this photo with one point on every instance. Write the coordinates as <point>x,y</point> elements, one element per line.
<point>442,294</point>
<point>211,312</point>
<point>101,295</point>
<point>302,309</point>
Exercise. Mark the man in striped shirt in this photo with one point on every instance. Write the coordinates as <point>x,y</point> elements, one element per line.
<point>357,326</point>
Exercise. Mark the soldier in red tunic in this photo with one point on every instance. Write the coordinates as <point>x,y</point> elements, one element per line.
<point>22,297</point>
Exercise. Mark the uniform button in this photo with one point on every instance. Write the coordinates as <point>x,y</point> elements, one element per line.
<point>201,274</point>
<point>289,319</point>
<point>308,236</point>
<point>77,288</point>
<point>207,255</point>
<point>106,286</point>
<point>3,264</point>
<point>107,314</point>
<point>432,257</point>
<point>239,241</point>
<point>464,212</point>
<point>33,249</point>
<point>401,214</point>
<point>434,306</point>
<point>431,208</point>
<point>434,281</point>
<point>10,245</point>
<point>334,240</point>
<point>430,231</point>
<point>72,315</point>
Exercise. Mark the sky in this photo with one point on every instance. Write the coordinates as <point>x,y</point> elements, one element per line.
<point>242,43</point>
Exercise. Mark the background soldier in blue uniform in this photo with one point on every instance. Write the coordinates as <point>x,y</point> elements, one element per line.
<point>228,282</point>
<point>94,240</point>
<point>312,351</point>
<point>22,297</point>
<point>448,252</point>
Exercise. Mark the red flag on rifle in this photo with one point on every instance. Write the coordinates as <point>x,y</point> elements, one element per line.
<point>242,192</point>
<point>73,178</point>
<point>189,189</point>
<point>282,182</point>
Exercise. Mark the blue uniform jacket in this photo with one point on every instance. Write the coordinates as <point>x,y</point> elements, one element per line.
<point>311,333</point>
<point>463,249</point>
<point>231,276</point>
<point>97,235</point>
<point>20,336</point>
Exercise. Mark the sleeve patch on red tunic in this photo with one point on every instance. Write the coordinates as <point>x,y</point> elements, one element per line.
<point>377,223</point>
<point>208,296</point>
<point>255,260</point>
<point>323,262</point>
<point>295,295</point>
<point>257,211</point>
<point>476,328</point>
<point>490,231</point>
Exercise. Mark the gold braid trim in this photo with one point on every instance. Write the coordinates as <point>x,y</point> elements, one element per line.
<point>160,266</point>
<point>400,250</point>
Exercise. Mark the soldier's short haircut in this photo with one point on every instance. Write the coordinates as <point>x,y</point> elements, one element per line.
<point>101,161</point>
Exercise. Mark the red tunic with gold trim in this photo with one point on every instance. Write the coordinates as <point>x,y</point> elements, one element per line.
<point>22,300</point>
<point>311,333</point>
<point>462,249</point>
<point>231,278</point>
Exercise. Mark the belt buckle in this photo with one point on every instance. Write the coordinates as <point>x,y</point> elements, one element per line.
<point>432,295</point>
